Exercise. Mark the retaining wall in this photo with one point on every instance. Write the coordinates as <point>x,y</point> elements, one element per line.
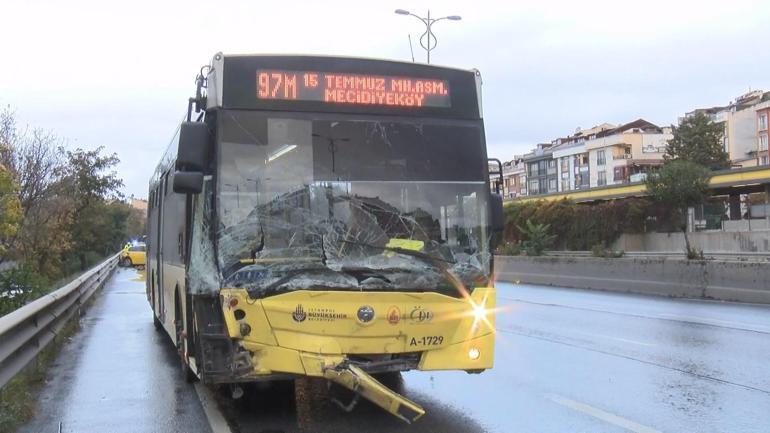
<point>716,241</point>
<point>709,279</point>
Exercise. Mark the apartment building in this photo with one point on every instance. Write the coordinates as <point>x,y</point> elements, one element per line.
<point>542,174</point>
<point>514,178</point>
<point>609,154</point>
<point>763,114</point>
<point>616,155</point>
<point>573,169</point>
<point>740,118</point>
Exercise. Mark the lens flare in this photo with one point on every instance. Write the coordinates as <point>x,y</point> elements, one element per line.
<point>480,315</point>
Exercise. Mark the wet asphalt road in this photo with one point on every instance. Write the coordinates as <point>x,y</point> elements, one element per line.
<point>566,361</point>
<point>573,361</point>
<point>118,374</point>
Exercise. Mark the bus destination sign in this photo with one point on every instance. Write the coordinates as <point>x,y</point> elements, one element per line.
<point>353,89</point>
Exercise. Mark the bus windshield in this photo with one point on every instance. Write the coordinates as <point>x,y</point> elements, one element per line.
<point>314,201</point>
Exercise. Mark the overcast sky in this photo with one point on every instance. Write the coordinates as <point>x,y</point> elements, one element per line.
<point>119,74</point>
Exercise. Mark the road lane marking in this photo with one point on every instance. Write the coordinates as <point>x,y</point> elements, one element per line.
<point>216,420</point>
<point>602,415</point>
<point>609,337</point>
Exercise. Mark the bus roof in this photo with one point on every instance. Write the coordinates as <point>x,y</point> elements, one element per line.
<point>329,56</point>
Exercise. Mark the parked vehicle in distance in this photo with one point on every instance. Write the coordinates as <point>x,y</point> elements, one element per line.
<point>135,255</point>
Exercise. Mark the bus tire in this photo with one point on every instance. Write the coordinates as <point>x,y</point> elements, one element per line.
<point>187,373</point>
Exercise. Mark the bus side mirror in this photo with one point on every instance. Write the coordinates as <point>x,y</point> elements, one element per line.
<point>496,212</point>
<point>188,182</point>
<point>194,147</point>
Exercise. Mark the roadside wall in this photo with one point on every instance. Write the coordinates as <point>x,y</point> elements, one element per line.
<point>753,241</point>
<point>709,279</point>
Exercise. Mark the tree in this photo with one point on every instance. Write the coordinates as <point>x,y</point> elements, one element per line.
<point>36,162</point>
<point>699,140</point>
<point>680,184</point>
<point>91,179</point>
<point>10,211</point>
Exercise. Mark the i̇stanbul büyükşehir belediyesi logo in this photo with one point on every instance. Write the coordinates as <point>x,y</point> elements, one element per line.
<point>299,314</point>
<point>317,314</point>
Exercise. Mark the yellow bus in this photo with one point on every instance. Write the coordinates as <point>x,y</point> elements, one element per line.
<point>326,217</point>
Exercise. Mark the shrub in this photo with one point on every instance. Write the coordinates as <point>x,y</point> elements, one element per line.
<point>694,253</point>
<point>509,249</point>
<point>19,286</point>
<point>598,250</point>
<point>537,238</point>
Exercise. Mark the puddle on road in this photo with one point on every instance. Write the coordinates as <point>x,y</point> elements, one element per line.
<point>141,275</point>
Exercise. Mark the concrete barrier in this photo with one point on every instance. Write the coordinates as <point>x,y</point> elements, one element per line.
<point>675,277</point>
<point>709,241</point>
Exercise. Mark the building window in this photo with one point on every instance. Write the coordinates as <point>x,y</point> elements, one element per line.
<point>533,189</point>
<point>619,174</point>
<point>764,160</point>
<point>551,166</point>
<point>763,122</point>
<point>763,142</point>
<point>601,159</point>
<point>602,180</point>
<point>533,169</point>
<point>543,185</point>
<point>565,186</point>
<point>552,184</point>
<point>564,165</point>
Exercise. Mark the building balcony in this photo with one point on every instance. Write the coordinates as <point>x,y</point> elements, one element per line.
<point>621,156</point>
<point>581,169</point>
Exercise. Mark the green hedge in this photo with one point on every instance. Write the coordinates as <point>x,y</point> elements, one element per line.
<point>580,226</point>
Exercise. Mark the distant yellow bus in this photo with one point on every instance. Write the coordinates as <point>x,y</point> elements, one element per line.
<point>134,255</point>
<point>326,217</point>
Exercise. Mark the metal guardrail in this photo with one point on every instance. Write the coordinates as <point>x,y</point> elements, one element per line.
<point>733,255</point>
<point>27,331</point>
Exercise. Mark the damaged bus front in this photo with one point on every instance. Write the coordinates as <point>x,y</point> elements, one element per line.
<point>328,232</point>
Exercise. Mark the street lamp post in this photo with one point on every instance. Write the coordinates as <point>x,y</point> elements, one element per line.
<point>429,44</point>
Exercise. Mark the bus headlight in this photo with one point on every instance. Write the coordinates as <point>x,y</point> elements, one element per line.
<point>479,313</point>
<point>474,353</point>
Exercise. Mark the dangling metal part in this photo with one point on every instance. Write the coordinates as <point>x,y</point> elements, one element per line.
<point>358,381</point>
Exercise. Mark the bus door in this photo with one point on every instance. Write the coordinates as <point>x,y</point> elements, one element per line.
<point>159,250</point>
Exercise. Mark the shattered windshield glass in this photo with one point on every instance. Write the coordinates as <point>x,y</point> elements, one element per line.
<point>314,202</point>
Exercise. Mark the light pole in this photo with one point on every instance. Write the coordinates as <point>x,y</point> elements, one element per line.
<point>429,45</point>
